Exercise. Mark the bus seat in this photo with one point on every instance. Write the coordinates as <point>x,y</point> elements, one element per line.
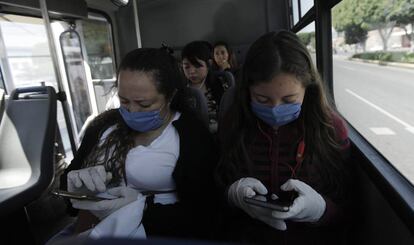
<point>197,102</point>
<point>230,79</point>
<point>226,102</point>
<point>226,78</point>
<point>27,142</point>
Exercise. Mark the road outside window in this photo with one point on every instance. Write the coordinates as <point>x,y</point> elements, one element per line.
<point>373,62</point>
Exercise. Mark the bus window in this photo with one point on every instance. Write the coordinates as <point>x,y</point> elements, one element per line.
<point>307,36</point>
<point>75,71</point>
<point>25,55</point>
<point>373,68</point>
<point>26,51</point>
<point>295,11</point>
<point>99,53</point>
<point>305,6</point>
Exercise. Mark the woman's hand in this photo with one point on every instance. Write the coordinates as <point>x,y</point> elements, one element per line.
<point>249,187</point>
<point>309,206</point>
<point>125,195</point>
<point>88,180</point>
<point>224,64</point>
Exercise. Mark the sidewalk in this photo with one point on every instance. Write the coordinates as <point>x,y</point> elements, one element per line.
<point>384,63</point>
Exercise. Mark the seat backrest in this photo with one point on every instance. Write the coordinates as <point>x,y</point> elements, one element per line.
<point>27,142</point>
<point>197,102</point>
<point>226,78</point>
<point>229,78</point>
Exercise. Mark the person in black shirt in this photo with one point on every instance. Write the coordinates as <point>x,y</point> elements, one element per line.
<point>196,59</point>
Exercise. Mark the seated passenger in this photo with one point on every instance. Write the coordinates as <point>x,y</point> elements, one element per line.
<point>283,137</point>
<point>196,59</point>
<point>224,59</point>
<point>151,157</point>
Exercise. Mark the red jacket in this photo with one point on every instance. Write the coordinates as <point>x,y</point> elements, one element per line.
<point>274,157</point>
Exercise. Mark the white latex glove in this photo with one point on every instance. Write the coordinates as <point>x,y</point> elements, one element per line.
<point>88,180</point>
<point>309,206</point>
<point>102,209</point>
<point>249,187</point>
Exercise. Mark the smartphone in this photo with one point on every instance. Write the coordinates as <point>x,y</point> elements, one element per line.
<point>268,202</point>
<point>78,196</point>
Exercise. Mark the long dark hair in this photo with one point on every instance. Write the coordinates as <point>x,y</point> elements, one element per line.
<point>232,58</point>
<point>194,50</point>
<point>270,55</point>
<point>113,149</point>
<point>201,50</point>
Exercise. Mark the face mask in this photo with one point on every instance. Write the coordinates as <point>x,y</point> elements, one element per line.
<point>142,121</point>
<point>278,115</point>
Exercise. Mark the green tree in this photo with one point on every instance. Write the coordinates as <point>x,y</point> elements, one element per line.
<point>343,14</point>
<point>377,15</point>
<point>345,20</point>
<point>305,37</point>
<point>368,15</point>
<point>355,34</point>
<point>403,15</point>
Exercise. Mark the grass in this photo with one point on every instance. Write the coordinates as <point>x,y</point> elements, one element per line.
<point>398,56</point>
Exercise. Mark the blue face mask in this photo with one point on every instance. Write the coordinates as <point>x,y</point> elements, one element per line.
<point>278,115</point>
<point>142,121</point>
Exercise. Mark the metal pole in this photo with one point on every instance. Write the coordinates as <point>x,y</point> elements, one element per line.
<point>323,35</point>
<point>136,21</point>
<point>55,61</point>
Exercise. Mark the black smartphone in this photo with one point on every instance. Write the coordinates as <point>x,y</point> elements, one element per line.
<point>78,196</point>
<point>268,202</point>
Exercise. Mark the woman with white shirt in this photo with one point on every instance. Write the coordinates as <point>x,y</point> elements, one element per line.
<point>151,156</point>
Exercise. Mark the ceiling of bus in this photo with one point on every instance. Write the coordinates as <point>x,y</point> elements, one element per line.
<point>177,22</point>
<point>105,5</point>
<point>237,22</point>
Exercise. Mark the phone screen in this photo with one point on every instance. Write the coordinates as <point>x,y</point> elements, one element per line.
<point>78,196</point>
<point>268,202</point>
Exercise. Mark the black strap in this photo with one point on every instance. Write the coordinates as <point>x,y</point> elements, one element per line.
<point>150,195</point>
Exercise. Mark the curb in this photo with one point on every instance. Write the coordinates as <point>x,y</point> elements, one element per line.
<point>384,63</point>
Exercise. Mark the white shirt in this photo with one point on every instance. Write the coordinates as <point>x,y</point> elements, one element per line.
<point>150,168</point>
<point>147,168</point>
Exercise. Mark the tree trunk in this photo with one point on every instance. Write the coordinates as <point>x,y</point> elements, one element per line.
<point>385,35</point>
<point>383,39</point>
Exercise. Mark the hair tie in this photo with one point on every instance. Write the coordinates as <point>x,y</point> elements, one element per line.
<point>167,49</point>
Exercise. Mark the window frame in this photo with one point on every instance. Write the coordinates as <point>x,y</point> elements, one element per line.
<point>71,86</point>
<point>113,54</point>
<point>114,40</point>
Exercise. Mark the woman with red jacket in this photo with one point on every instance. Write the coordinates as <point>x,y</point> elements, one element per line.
<point>283,137</point>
